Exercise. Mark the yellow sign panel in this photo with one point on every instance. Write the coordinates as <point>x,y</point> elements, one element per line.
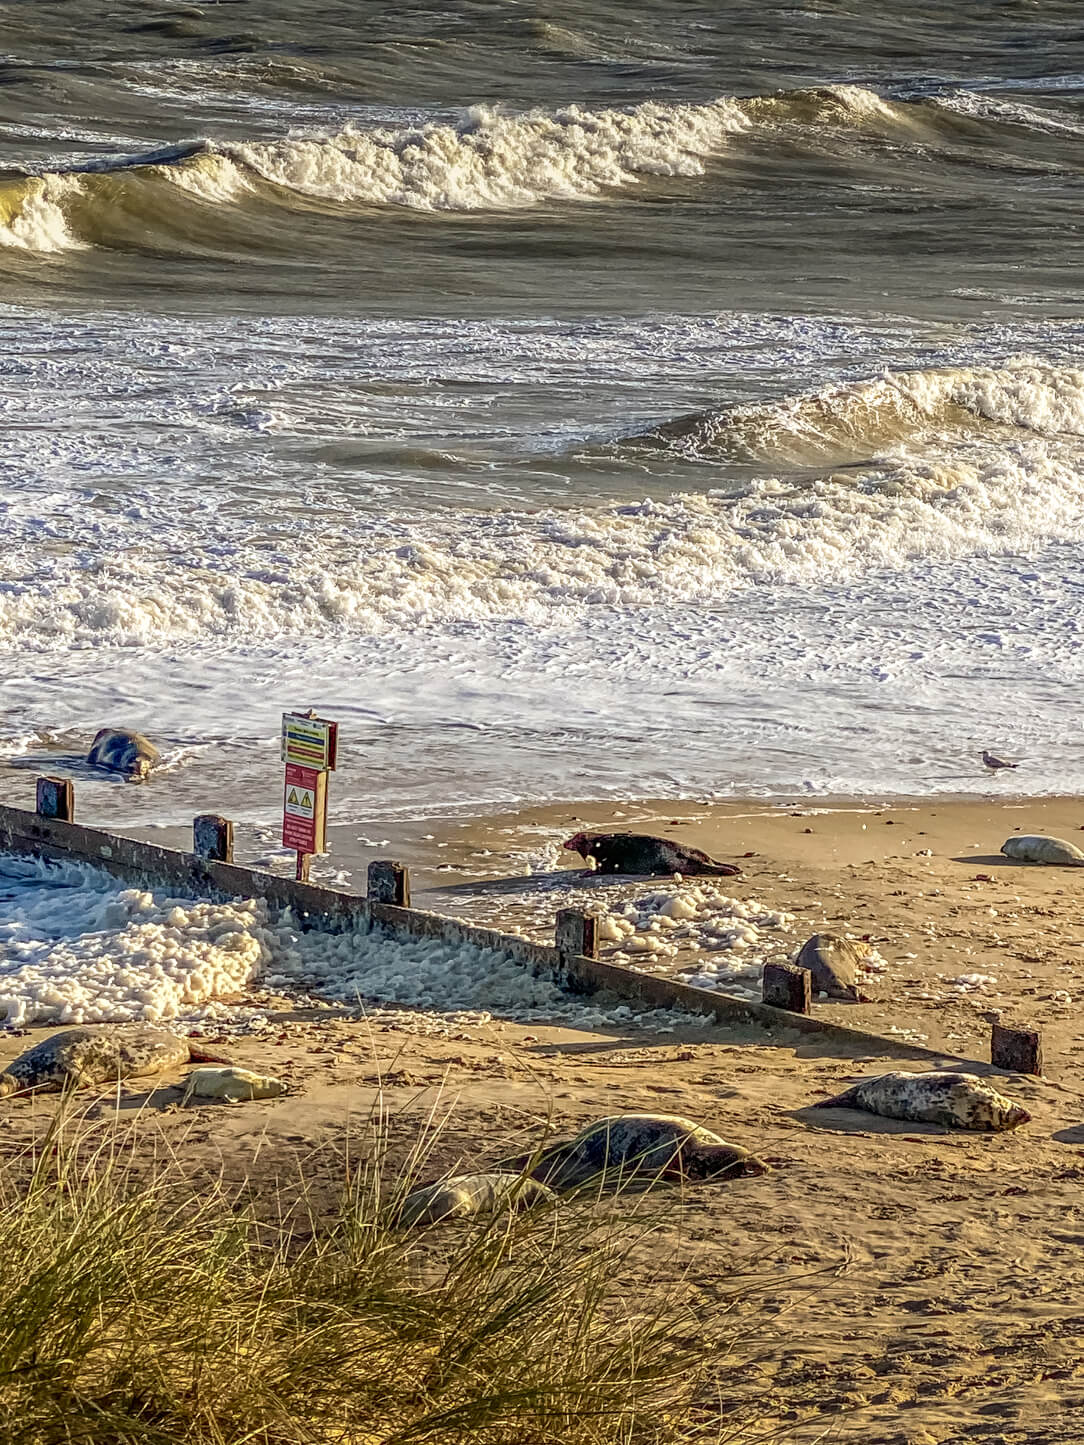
<point>309,742</point>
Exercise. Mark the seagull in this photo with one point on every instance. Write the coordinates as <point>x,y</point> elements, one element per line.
<point>995,764</point>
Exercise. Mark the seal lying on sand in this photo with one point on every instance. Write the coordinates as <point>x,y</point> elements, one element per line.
<point>231,1084</point>
<point>1035,848</point>
<point>942,1096</point>
<point>833,961</point>
<point>646,1147</point>
<point>467,1194</point>
<point>120,751</point>
<point>640,853</point>
<point>78,1057</point>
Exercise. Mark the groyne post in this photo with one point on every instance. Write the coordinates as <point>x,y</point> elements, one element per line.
<point>389,882</point>
<point>1019,1050</point>
<point>212,838</point>
<point>784,986</point>
<point>55,798</point>
<point>576,933</point>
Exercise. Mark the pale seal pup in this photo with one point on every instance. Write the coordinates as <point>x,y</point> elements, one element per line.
<point>648,1146</point>
<point>1035,848</point>
<point>639,853</point>
<point>78,1057</point>
<point>469,1194</point>
<point>942,1096</point>
<point>118,750</point>
<point>833,961</point>
<point>231,1084</point>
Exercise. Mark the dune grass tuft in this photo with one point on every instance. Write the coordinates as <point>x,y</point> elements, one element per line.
<point>139,1307</point>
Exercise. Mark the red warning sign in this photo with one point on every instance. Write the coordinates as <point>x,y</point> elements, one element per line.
<point>304,809</point>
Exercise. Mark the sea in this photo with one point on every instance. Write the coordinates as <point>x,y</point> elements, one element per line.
<point>574,400</point>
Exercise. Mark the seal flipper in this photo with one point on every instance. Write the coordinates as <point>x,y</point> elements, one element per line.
<point>849,1099</point>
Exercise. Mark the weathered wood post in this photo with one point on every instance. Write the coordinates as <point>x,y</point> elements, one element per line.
<point>1020,1050</point>
<point>389,882</point>
<point>55,798</point>
<point>576,933</point>
<point>784,986</point>
<point>212,838</point>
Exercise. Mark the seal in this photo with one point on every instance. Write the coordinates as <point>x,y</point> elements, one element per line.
<point>468,1194</point>
<point>232,1084</point>
<point>833,961</point>
<point>78,1057</point>
<point>942,1096</point>
<point>643,1147</point>
<point>119,751</point>
<point>639,853</point>
<point>1035,848</point>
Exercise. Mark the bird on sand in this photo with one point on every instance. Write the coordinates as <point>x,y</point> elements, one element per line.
<point>994,763</point>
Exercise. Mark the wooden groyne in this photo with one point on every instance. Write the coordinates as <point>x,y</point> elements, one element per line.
<point>570,961</point>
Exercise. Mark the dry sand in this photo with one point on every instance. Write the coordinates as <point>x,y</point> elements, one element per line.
<point>921,1286</point>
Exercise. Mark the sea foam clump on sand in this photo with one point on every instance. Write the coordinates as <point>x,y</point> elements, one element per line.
<point>652,929</point>
<point>79,948</point>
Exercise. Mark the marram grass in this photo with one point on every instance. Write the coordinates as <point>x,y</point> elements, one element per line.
<point>139,1307</point>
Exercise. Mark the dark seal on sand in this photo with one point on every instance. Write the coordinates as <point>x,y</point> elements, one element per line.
<point>644,1148</point>
<point>639,853</point>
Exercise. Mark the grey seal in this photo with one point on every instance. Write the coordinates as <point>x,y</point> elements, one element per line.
<point>79,1057</point>
<point>640,853</point>
<point>644,1147</point>
<point>119,750</point>
<point>833,961</point>
<point>1036,848</point>
<point>469,1194</point>
<point>941,1096</point>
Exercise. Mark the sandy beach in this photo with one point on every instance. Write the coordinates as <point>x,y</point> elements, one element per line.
<point>921,1286</point>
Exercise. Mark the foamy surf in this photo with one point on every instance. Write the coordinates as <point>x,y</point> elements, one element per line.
<point>933,492</point>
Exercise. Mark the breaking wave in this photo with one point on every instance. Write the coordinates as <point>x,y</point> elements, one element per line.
<point>488,161</point>
<point>852,423</point>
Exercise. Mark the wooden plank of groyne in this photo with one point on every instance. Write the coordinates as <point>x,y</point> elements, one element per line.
<point>315,906</point>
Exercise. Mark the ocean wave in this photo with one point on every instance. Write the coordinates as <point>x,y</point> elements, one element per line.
<point>550,568</point>
<point>488,161</point>
<point>850,423</point>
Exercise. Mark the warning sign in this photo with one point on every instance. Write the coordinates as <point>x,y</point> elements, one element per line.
<point>310,742</point>
<point>304,810</point>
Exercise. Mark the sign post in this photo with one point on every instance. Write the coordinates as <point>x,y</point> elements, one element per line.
<point>309,747</point>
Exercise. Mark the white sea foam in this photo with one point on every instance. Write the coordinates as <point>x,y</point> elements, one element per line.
<point>77,947</point>
<point>497,162</point>
<point>37,221</point>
